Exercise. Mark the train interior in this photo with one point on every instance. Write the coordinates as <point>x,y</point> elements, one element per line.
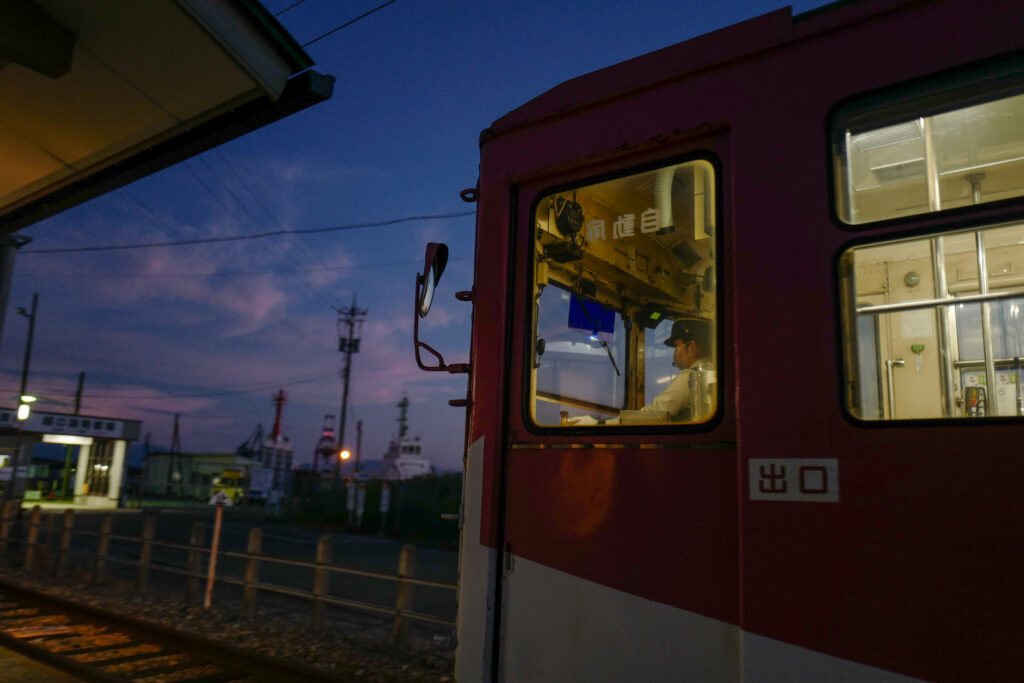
<point>932,324</point>
<point>930,339</point>
<point>615,262</point>
<point>952,159</point>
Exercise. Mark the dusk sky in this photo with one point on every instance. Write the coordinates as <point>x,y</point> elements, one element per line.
<point>212,331</point>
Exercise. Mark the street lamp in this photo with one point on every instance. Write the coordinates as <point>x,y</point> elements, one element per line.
<point>23,406</point>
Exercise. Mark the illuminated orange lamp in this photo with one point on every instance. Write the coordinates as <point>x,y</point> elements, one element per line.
<point>344,455</point>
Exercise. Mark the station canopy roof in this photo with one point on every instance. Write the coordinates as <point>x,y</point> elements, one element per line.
<point>94,95</point>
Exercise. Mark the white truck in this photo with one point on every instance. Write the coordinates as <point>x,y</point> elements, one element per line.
<point>261,481</point>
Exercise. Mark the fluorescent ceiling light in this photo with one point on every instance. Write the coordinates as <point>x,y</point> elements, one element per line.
<point>68,439</point>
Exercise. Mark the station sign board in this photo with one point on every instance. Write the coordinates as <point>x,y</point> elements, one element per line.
<point>40,422</point>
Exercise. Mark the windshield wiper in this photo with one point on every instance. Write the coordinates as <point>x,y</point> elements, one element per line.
<point>597,334</point>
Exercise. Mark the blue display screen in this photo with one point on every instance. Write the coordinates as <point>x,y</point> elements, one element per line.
<point>591,318</point>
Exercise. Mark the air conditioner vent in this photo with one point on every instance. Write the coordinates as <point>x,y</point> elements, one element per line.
<point>890,135</point>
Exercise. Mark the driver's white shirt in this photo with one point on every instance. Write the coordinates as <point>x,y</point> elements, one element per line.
<point>675,399</point>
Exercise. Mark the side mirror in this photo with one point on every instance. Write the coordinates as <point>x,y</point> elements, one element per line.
<point>426,284</point>
<point>433,265</point>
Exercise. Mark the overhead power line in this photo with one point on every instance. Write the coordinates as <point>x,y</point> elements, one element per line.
<point>211,394</point>
<point>222,273</point>
<point>291,6</point>
<point>245,208</point>
<point>241,238</point>
<point>348,23</point>
<point>263,386</point>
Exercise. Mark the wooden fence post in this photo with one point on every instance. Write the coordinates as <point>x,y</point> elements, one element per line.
<point>48,537</point>
<point>6,524</point>
<point>34,522</point>
<point>195,563</point>
<point>103,547</point>
<point>252,571</point>
<point>63,559</point>
<point>146,551</point>
<point>321,582</point>
<point>211,571</point>
<point>403,601</point>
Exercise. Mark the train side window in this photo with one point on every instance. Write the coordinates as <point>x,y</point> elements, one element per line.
<point>624,288</point>
<point>939,147</point>
<point>924,336</point>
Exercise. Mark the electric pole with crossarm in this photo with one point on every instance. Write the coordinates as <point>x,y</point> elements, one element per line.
<point>350,325</point>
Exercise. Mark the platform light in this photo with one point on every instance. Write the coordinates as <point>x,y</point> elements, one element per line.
<point>24,410</point>
<point>68,439</point>
<point>344,455</point>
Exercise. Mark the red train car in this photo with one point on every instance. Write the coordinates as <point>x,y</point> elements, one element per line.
<point>819,221</point>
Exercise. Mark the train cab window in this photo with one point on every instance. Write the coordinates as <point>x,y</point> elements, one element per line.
<point>941,150</point>
<point>625,302</point>
<point>933,327</point>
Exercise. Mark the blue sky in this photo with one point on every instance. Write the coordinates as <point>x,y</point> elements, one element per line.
<point>213,331</point>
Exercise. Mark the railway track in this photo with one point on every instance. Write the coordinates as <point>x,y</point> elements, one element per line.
<point>96,645</point>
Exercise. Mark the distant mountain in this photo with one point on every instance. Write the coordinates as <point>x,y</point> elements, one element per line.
<point>368,468</point>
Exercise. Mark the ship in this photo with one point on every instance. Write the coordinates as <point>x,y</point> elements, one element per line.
<point>404,459</point>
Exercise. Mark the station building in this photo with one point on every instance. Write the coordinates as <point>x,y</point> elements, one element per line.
<point>98,448</point>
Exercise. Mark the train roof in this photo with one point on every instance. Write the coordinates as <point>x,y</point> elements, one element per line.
<point>705,52</point>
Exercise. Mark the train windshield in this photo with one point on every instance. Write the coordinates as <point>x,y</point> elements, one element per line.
<point>625,312</point>
<point>934,326</point>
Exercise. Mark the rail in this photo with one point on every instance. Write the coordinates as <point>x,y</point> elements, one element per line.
<point>32,554</point>
<point>95,644</point>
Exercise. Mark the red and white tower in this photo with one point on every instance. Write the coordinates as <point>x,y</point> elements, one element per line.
<point>325,447</point>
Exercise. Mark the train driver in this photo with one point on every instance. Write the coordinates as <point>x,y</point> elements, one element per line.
<point>691,338</point>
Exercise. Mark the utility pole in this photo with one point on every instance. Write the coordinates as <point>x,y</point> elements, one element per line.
<point>145,468</point>
<point>24,400</point>
<point>78,392</point>
<point>176,436</point>
<point>65,476</point>
<point>350,321</point>
<point>28,345</point>
<point>9,245</point>
<point>176,458</point>
<point>359,443</point>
